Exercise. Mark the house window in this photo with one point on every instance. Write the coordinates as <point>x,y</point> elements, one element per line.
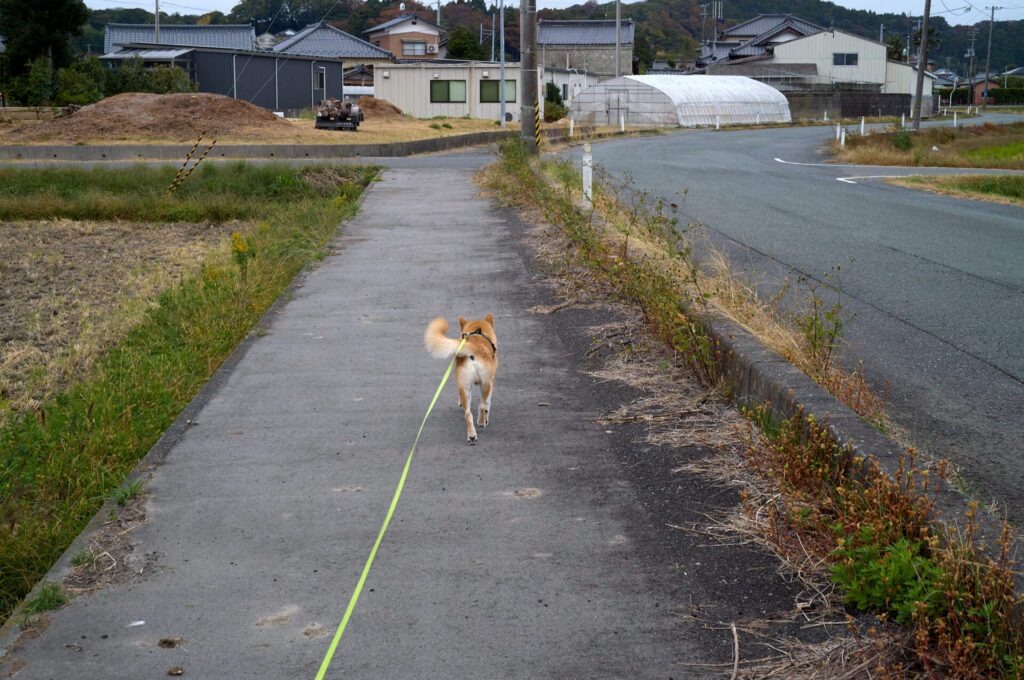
<point>414,48</point>
<point>489,92</point>
<point>565,91</point>
<point>447,91</point>
<point>844,58</point>
<point>321,78</point>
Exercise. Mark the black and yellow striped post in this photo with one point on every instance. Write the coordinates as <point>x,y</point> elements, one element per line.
<point>177,183</point>
<point>188,157</point>
<point>536,122</point>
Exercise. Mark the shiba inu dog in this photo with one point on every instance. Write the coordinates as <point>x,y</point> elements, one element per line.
<point>475,364</point>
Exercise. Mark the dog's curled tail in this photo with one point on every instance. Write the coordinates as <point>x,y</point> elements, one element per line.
<point>437,344</point>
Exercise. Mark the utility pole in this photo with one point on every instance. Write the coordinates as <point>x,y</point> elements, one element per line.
<point>618,31</point>
<point>988,58</point>
<point>528,71</point>
<point>156,24</point>
<point>501,87</point>
<point>922,62</point>
<point>970,55</point>
<point>438,12</point>
<point>492,39</point>
<point>881,33</point>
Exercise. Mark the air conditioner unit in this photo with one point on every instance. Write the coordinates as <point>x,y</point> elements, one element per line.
<point>431,49</point>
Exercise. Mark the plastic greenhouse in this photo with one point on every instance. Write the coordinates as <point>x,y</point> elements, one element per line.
<point>677,100</point>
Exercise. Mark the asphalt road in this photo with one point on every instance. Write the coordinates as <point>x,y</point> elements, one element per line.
<point>934,286</point>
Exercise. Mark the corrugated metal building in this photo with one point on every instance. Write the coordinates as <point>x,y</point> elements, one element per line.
<point>277,82</point>
<point>429,89</point>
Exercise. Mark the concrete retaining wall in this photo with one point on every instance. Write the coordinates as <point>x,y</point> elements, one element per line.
<point>812,105</point>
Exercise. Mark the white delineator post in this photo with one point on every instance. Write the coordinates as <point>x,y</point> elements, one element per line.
<point>954,119</point>
<point>862,126</point>
<point>826,116</point>
<point>842,139</point>
<point>588,177</point>
<point>718,121</point>
<point>570,127</point>
<point>903,120</point>
<point>838,127</point>
<point>622,123</point>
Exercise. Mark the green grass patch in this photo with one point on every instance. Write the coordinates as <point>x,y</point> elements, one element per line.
<point>213,193</point>
<point>58,463</point>
<point>1011,152</point>
<point>48,598</point>
<point>978,146</point>
<point>1008,188</point>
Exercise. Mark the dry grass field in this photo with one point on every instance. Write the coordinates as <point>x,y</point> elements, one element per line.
<point>138,118</point>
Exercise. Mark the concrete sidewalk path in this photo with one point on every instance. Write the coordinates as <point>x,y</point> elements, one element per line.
<point>514,558</point>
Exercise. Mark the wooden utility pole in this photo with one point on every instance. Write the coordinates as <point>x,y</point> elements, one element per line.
<point>618,33</point>
<point>922,62</point>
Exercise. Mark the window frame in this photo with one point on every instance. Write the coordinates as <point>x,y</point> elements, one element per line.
<point>845,58</point>
<point>509,83</point>
<point>448,92</point>
<point>406,44</point>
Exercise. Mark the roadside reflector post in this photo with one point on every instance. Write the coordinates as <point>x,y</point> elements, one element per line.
<point>954,119</point>
<point>838,127</point>
<point>570,127</point>
<point>903,120</point>
<point>862,126</point>
<point>842,139</point>
<point>826,115</point>
<point>588,177</point>
<point>757,119</point>
<point>622,123</point>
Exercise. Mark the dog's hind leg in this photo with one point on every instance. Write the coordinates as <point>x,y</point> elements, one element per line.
<point>485,402</point>
<point>465,397</point>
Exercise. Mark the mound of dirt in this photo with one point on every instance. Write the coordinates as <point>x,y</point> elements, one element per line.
<point>379,108</point>
<point>172,117</point>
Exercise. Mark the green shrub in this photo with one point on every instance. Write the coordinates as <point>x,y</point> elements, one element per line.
<point>553,112</point>
<point>902,140</point>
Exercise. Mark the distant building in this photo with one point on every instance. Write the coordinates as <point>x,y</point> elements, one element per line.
<point>586,46</point>
<point>323,40</point>
<point>227,36</point>
<point>408,37</point>
<point>754,38</point>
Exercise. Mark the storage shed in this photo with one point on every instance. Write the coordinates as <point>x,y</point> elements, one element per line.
<point>679,100</point>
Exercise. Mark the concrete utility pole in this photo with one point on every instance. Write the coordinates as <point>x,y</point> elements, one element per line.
<point>922,63</point>
<point>501,86</point>
<point>528,71</point>
<point>988,58</point>
<point>156,24</point>
<point>618,31</point>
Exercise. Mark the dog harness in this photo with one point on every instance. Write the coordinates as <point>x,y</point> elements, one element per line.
<point>480,333</point>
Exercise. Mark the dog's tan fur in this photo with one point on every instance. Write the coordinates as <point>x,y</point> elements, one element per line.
<point>475,364</point>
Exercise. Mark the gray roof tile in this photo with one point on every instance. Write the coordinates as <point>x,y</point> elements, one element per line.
<point>764,23</point>
<point>583,32</point>
<point>324,40</point>
<point>231,36</point>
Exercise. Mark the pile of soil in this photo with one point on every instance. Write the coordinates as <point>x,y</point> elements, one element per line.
<point>379,108</point>
<point>172,117</point>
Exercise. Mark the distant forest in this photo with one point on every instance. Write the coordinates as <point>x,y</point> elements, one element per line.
<point>672,28</point>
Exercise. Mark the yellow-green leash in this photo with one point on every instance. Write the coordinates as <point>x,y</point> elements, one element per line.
<point>384,527</point>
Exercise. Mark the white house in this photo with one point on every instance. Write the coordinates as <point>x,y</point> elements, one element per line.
<point>425,90</point>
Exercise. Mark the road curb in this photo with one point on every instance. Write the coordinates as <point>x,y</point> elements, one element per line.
<point>758,376</point>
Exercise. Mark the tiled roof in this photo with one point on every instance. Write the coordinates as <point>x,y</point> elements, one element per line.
<point>759,44</point>
<point>582,32</point>
<point>324,40</point>
<point>764,23</point>
<point>231,36</point>
<point>398,20</point>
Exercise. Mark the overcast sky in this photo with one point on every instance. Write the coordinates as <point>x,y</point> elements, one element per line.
<point>954,11</point>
